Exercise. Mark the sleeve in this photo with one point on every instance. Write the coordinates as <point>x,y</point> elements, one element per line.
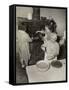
<point>28,38</point>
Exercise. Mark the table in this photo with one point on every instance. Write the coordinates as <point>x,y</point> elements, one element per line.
<point>53,74</point>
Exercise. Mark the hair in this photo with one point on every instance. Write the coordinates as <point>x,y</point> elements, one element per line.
<point>52,25</point>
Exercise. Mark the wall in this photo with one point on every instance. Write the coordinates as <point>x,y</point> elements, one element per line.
<point>23,11</point>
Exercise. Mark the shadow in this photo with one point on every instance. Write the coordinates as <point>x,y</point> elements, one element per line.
<point>6,82</point>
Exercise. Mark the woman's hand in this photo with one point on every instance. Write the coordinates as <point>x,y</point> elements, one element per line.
<point>40,32</point>
<point>43,46</point>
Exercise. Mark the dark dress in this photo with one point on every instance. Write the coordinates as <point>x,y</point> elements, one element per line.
<point>62,51</point>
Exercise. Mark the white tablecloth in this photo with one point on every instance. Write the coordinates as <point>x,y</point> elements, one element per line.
<point>53,74</point>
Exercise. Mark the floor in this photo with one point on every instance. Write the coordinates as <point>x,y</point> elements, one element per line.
<point>21,76</point>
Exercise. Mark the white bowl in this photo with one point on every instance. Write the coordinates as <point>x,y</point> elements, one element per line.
<point>43,65</point>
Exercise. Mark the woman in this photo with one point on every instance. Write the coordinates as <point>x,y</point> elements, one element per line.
<point>23,42</point>
<point>52,47</point>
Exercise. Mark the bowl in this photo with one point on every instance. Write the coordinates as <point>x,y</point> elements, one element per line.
<point>56,64</point>
<point>42,65</point>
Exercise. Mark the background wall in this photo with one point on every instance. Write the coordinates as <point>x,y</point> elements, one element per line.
<point>23,11</point>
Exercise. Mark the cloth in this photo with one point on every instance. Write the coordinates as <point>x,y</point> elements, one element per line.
<point>23,43</point>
